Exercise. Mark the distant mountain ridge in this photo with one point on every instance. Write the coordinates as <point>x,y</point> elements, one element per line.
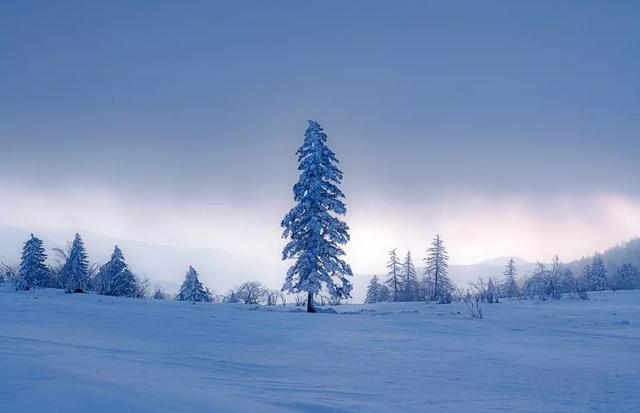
<point>503,260</point>
<point>627,252</point>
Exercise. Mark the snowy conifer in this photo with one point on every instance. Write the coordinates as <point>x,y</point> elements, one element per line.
<point>437,270</point>
<point>115,278</point>
<point>192,289</point>
<point>33,272</point>
<point>626,277</point>
<point>510,286</point>
<point>410,286</point>
<point>376,291</point>
<point>315,232</point>
<point>393,276</point>
<point>74,273</point>
<point>595,278</point>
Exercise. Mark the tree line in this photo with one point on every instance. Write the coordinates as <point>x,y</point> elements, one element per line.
<point>545,282</point>
<point>73,273</point>
<point>402,282</point>
<point>315,237</point>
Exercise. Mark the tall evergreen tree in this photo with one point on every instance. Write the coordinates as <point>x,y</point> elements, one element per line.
<point>393,276</point>
<point>192,289</point>
<point>596,277</point>
<point>32,272</point>
<point>410,287</point>
<point>115,278</point>
<point>437,270</point>
<point>74,273</point>
<point>315,232</point>
<point>510,285</point>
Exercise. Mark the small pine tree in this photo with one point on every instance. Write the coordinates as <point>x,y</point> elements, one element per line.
<point>115,278</point>
<point>437,270</point>
<point>510,286</point>
<point>315,232</point>
<point>33,272</point>
<point>374,291</point>
<point>393,276</point>
<point>410,288</point>
<point>596,277</point>
<point>192,289</point>
<point>385,294</point>
<point>492,292</point>
<point>158,294</point>
<point>74,273</point>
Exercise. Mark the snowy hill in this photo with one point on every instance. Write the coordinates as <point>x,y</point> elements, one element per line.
<point>73,353</point>
<point>501,261</point>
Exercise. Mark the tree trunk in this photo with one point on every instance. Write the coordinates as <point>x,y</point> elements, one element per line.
<point>310,307</point>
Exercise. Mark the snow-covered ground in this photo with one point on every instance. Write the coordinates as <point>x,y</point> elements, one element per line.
<point>87,353</point>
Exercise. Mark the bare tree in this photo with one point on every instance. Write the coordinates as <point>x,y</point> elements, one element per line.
<point>10,273</point>
<point>273,296</point>
<point>472,298</point>
<point>252,292</point>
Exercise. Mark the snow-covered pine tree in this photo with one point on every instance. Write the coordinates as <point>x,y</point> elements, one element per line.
<point>510,286</point>
<point>32,272</point>
<point>74,273</point>
<point>115,278</point>
<point>192,289</point>
<point>582,281</point>
<point>596,278</point>
<point>393,276</point>
<point>410,287</point>
<point>385,295</point>
<point>437,270</point>
<point>492,292</point>
<point>125,284</point>
<point>315,232</point>
<point>374,291</point>
<point>626,277</point>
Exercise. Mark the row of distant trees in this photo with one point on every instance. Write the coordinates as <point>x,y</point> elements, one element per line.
<point>402,282</point>
<point>545,282</point>
<point>73,273</point>
<point>557,279</point>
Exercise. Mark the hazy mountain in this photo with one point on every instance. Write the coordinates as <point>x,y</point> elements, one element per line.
<point>626,253</point>
<point>501,261</point>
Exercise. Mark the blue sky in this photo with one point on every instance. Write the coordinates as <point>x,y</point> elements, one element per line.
<point>447,117</point>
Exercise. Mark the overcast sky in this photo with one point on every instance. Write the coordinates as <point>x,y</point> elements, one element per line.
<point>511,128</point>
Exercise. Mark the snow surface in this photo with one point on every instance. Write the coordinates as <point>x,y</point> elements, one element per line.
<point>80,353</point>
